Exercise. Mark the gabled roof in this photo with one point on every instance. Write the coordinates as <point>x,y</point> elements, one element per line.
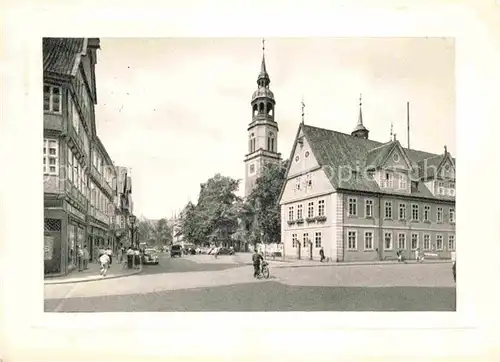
<point>429,165</point>
<point>339,153</point>
<point>60,55</point>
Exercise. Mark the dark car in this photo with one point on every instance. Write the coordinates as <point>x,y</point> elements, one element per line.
<point>150,256</point>
<point>226,251</point>
<point>454,270</point>
<point>175,250</point>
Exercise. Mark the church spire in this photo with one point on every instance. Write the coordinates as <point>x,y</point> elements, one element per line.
<point>263,80</point>
<point>360,130</point>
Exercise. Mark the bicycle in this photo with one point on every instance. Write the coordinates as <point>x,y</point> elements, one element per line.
<point>264,270</point>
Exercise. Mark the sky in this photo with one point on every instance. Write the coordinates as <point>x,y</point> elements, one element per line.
<point>176,110</point>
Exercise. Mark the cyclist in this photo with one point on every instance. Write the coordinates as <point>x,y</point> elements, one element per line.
<point>256,259</point>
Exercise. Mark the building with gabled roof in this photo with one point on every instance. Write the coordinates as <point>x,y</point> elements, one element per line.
<point>79,192</point>
<point>360,199</point>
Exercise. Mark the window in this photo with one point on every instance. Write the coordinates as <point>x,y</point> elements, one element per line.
<point>297,183</point>
<point>70,165</point>
<point>252,168</point>
<point>414,212</point>
<point>451,242</point>
<point>388,240</point>
<point>439,242</point>
<point>294,241</point>
<point>308,180</point>
<point>440,188</point>
<point>427,212</point>
<point>353,207</point>
<point>75,117</point>
<point>451,190</point>
<point>388,210</point>
<point>452,216</point>
<point>427,242</point>
<point>370,174</point>
<point>368,208</point>
<point>317,240</point>
<point>414,186</point>
<point>290,213</point>
<point>305,240</point>
<point>354,174</point>
<point>50,156</point>
<point>395,157</point>
<point>299,211</point>
<point>402,181</point>
<point>368,240</point>
<point>439,215</point>
<point>352,243</point>
<point>402,211</point>
<point>321,208</point>
<point>310,209</point>
<point>414,241</point>
<point>388,181</point>
<point>401,241</point>
<point>251,143</point>
<point>52,98</point>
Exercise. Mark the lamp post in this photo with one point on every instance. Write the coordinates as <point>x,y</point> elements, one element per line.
<point>132,220</point>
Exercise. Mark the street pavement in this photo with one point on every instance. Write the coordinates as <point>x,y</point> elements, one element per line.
<point>227,284</point>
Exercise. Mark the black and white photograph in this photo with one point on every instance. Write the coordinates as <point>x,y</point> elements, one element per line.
<point>249,181</point>
<point>224,174</point>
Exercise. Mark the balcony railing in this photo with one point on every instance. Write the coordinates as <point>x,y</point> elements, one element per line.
<point>76,194</point>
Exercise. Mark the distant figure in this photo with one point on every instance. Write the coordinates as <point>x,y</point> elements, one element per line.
<point>104,261</point>
<point>322,254</point>
<point>137,258</point>
<point>256,259</point>
<point>86,257</point>
<point>79,257</point>
<point>109,252</point>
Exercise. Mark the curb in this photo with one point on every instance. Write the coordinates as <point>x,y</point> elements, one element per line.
<point>340,264</point>
<point>92,279</point>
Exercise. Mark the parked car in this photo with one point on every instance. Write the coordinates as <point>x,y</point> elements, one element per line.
<point>175,250</point>
<point>226,251</point>
<point>150,257</point>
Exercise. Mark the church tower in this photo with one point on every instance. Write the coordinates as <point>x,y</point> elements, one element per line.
<point>360,131</point>
<point>262,130</point>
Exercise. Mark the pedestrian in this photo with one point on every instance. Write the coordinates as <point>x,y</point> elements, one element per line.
<point>86,257</point>
<point>130,257</point>
<point>137,257</point>
<point>109,252</point>
<point>104,261</point>
<point>79,257</point>
<point>321,254</point>
<point>101,252</point>
<point>256,259</point>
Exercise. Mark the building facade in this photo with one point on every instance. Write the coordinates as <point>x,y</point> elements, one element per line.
<point>123,205</point>
<point>262,131</point>
<point>79,207</point>
<point>360,199</point>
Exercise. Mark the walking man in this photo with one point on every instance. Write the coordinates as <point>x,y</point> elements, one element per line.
<point>256,259</point>
<point>86,257</point>
<point>79,257</point>
<point>109,252</point>
<point>321,254</point>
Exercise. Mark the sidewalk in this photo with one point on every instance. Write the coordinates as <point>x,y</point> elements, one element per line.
<point>246,259</point>
<point>92,274</point>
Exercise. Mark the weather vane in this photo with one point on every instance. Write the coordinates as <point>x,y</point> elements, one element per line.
<point>360,100</point>
<point>303,106</point>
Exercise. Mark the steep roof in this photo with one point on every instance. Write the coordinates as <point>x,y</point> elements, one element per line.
<point>61,54</point>
<point>340,153</point>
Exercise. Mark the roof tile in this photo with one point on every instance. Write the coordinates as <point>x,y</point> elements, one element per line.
<point>59,54</point>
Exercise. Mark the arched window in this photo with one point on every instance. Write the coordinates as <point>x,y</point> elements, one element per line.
<point>269,109</point>
<point>251,143</point>
<point>255,110</point>
<point>270,142</point>
<point>261,108</point>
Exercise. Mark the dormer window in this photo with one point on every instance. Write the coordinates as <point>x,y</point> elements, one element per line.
<point>402,181</point>
<point>354,174</point>
<point>441,188</point>
<point>297,184</point>
<point>370,174</point>
<point>451,190</point>
<point>388,180</point>
<point>414,186</point>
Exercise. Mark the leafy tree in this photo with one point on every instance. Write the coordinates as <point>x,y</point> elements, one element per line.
<point>264,201</point>
<point>215,216</point>
<point>145,231</point>
<point>163,232</point>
